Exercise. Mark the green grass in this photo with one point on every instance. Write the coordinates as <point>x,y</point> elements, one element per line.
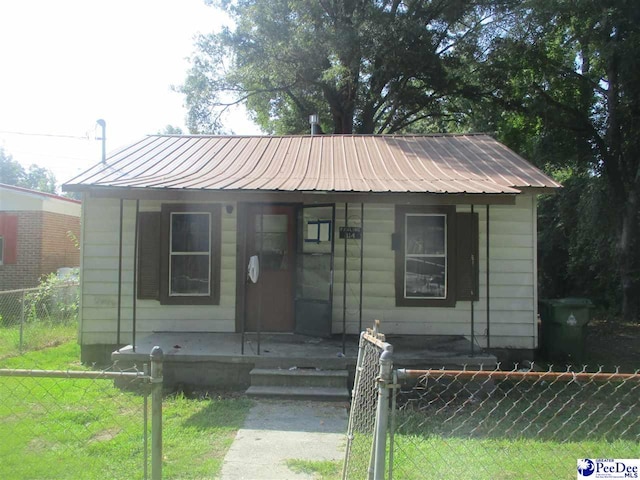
<point>442,458</point>
<point>521,430</point>
<point>35,336</point>
<point>70,429</point>
<point>320,469</point>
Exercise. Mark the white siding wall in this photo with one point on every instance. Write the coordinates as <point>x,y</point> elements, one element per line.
<point>512,275</point>
<point>100,280</point>
<point>513,308</point>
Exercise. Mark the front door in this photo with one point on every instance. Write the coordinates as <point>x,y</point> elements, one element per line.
<point>271,238</point>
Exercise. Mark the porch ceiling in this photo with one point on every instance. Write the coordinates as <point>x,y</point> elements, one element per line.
<point>383,164</point>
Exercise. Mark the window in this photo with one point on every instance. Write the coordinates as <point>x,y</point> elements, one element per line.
<point>1,250</point>
<point>190,254</point>
<point>179,254</point>
<point>436,256</point>
<point>425,268</point>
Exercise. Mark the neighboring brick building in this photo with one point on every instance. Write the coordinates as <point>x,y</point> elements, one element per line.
<point>34,238</point>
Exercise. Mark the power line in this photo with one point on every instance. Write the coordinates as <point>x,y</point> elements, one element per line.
<point>31,134</point>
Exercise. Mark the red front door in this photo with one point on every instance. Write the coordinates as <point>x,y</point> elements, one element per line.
<point>271,236</point>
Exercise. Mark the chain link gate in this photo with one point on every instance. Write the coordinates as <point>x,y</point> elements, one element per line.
<point>484,424</point>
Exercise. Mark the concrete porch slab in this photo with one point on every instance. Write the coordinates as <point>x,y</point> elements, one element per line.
<point>216,360</point>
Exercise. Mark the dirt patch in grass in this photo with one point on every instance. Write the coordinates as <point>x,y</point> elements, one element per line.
<point>612,343</point>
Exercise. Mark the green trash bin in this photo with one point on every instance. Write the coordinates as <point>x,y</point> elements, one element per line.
<point>564,332</point>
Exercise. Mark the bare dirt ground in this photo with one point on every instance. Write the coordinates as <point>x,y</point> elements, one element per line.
<point>612,343</point>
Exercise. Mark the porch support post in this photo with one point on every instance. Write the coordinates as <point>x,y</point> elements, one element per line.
<point>260,256</point>
<point>119,313</point>
<point>135,276</point>
<point>488,287</point>
<point>473,334</point>
<point>361,263</point>
<point>344,283</point>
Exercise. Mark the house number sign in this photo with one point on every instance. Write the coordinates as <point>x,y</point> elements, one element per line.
<point>350,233</point>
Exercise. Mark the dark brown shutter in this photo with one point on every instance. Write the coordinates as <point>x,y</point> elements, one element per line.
<point>149,255</point>
<point>467,270</point>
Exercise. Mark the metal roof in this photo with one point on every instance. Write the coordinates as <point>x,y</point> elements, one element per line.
<point>473,164</point>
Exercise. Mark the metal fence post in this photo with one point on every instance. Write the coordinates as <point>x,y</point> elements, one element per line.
<point>21,324</point>
<point>156,413</point>
<point>382,414</point>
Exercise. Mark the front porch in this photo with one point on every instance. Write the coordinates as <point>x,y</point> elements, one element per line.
<point>219,361</point>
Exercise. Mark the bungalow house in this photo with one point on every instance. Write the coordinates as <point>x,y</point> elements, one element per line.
<point>433,235</point>
<point>34,235</point>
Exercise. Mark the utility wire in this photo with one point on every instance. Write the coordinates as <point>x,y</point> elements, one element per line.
<point>76,137</point>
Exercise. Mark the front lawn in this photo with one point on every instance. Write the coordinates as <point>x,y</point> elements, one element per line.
<point>68,429</point>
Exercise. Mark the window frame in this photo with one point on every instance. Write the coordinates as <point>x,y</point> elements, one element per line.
<point>166,254</point>
<point>403,212</point>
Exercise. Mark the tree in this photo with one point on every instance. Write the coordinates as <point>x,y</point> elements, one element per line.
<point>35,178</point>
<point>170,130</point>
<point>11,172</point>
<point>569,71</point>
<point>366,66</point>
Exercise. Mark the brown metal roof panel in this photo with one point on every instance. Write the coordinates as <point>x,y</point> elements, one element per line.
<point>327,180</point>
<point>403,160</point>
<point>420,165</point>
<point>272,177</point>
<point>432,157</point>
<point>498,169</point>
<point>116,164</point>
<point>202,154</point>
<point>312,163</point>
<point>370,167</point>
<point>353,166</point>
<point>300,151</point>
<point>186,159</point>
<point>260,168</point>
<point>339,163</point>
<point>242,158</point>
<point>536,177</point>
<point>460,159</point>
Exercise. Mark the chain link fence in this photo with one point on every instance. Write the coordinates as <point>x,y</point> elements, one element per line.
<point>34,318</point>
<point>363,428</point>
<point>77,424</point>
<point>455,424</point>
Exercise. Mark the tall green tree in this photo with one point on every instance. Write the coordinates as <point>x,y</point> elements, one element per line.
<point>366,66</point>
<point>35,178</point>
<point>568,72</point>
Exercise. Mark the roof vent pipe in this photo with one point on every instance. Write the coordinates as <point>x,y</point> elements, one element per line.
<point>315,125</point>
<point>103,137</point>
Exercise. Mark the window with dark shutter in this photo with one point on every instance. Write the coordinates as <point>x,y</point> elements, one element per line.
<point>149,255</point>
<point>179,254</point>
<point>190,254</point>
<point>436,256</point>
<point>425,268</point>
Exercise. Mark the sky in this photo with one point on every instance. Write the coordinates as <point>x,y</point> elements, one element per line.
<point>66,63</point>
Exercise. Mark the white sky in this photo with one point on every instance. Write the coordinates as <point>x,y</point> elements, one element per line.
<point>66,63</point>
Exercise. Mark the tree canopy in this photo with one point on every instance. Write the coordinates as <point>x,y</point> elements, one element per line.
<point>565,85</point>
<point>35,177</point>
<point>365,66</point>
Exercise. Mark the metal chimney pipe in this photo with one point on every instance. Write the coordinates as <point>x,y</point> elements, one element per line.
<point>313,120</point>
<point>103,137</point>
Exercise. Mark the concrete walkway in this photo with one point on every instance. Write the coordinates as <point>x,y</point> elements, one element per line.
<point>279,430</point>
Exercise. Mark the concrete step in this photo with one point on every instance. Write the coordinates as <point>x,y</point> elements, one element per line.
<point>299,377</point>
<point>326,394</point>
